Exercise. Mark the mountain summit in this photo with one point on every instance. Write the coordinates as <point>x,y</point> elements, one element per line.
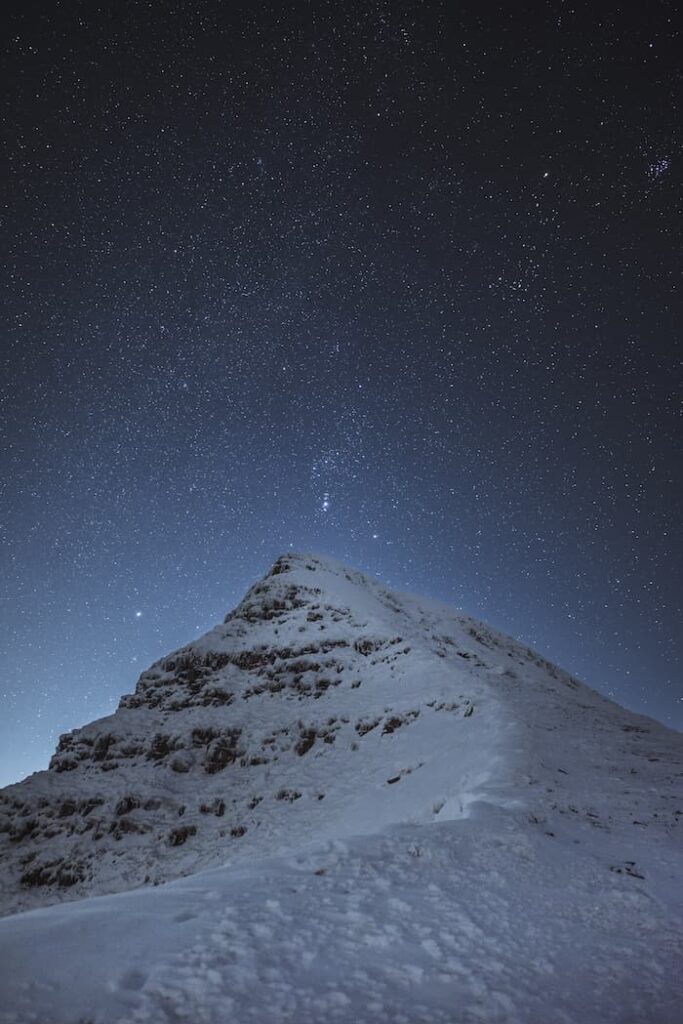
<point>324,705</point>
<point>333,720</point>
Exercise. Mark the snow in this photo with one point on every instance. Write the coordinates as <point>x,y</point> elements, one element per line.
<point>495,842</point>
<point>476,920</point>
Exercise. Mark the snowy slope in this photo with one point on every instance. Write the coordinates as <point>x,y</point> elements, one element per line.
<point>408,816</point>
<point>283,724</point>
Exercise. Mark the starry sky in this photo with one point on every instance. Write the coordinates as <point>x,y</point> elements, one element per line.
<point>392,282</point>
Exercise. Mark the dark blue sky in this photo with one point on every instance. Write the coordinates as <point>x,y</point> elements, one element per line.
<point>394,282</point>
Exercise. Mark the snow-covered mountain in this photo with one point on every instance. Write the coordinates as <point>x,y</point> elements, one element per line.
<point>408,816</point>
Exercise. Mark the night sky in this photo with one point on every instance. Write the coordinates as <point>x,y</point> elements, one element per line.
<point>392,282</point>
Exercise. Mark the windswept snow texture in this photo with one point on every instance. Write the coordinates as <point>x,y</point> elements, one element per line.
<point>387,812</point>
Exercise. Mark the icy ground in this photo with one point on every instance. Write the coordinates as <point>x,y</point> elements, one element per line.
<point>417,820</point>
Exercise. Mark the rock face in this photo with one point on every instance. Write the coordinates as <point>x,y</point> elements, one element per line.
<point>326,705</point>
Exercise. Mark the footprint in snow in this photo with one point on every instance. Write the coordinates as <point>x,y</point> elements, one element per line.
<point>185,915</point>
<point>132,980</point>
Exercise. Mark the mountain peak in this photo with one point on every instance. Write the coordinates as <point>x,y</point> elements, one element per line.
<point>296,580</point>
<point>325,705</point>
